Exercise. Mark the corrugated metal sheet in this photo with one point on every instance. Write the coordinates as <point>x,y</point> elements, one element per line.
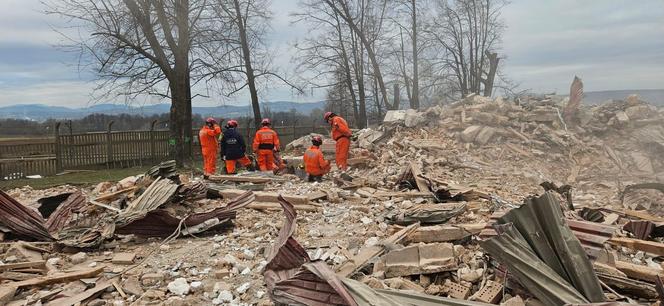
<point>157,194</point>
<point>64,211</point>
<point>640,228</point>
<point>366,296</point>
<point>591,235</point>
<point>22,220</point>
<point>539,227</point>
<point>160,223</point>
<point>292,278</point>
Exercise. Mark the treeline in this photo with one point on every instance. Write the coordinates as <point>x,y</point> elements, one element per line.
<point>127,122</point>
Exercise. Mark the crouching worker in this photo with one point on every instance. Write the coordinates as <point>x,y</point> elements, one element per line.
<point>233,148</point>
<point>314,163</point>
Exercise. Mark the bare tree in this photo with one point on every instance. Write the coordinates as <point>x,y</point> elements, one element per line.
<point>143,47</point>
<point>242,27</point>
<point>469,31</point>
<point>342,7</point>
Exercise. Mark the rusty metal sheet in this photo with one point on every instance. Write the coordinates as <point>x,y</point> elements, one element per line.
<point>22,220</point>
<point>64,211</point>
<point>160,223</point>
<point>157,194</point>
<point>366,296</point>
<point>292,278</point>
<point>641,229</point>
<point>511,248</point>
<point>539,227</point>
<point>591,235</point>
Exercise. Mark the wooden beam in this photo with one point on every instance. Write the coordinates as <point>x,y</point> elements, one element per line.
<point>262,196</point>
<point>57,278</point>
<point>417,174</point>
<point>32,264</point>
<point>245,179</point>
<point>652,247</point>
<point>638,272</point>
<point>277,207</point>
<point>367,253</point>
<point>111,208</point>
<point>113,195</point>
<point>409,194</point>
<point>78,298</point>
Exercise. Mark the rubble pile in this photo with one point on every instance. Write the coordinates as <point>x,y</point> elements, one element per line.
<point>475,203</point>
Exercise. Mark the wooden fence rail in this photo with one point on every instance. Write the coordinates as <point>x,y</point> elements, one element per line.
<point>106,150</point>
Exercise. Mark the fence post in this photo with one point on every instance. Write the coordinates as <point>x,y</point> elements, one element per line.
<point>58,153</point>
<point>109,146</point>
<point>153,149</point>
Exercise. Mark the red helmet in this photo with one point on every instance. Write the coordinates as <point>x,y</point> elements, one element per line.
<point>232,123</point>
<point>266,121</point>
<point>316,140</point>
<point>211,120</point>
<point>328,115</point>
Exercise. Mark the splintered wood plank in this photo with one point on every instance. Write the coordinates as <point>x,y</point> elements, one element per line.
<point>57,278</point>
<point>367,253</point>
<point>277,207</point>
<point>247,179</point>
<point>73,300</point>
<point>31,264</point>
<point>640,245</point>
<point>421,182</point>
<point>263,196</point>
<point>638,272</point>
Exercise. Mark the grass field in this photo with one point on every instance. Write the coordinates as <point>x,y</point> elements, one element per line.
<point>87,178</point>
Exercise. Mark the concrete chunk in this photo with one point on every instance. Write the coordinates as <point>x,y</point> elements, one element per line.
<point>469,134</point>
<point>420,259</point>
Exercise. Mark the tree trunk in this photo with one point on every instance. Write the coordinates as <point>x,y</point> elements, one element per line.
<point>415,99</point>
<point>491,75</point>
<point>397,95</point>
<point>345,15</point>
<point>246,54</point>
<point>358,59</point>
<point>347,73</point>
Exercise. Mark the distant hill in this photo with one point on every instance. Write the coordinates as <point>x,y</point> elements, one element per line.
<point>653,96</point>
<point>40,112</point>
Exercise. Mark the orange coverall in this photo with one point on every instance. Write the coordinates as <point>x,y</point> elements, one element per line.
<point>341,134</point>
<point>209,147</point>
<point>314,162</point>
<point>265,143</point>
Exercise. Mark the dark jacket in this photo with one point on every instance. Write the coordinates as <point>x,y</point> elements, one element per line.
<point>232,144</point>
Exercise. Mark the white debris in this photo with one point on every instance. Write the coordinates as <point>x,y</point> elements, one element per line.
<point>243,288</point>
<point>179,286</point>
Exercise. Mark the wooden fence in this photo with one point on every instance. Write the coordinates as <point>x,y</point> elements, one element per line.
<point>106,150</point>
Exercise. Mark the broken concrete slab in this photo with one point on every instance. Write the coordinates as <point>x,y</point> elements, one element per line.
<point>420,259</point>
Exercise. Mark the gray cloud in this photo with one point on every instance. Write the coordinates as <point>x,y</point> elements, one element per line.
<point>616,44</point>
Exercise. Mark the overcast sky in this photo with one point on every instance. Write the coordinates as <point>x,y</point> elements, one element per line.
<point>610,44</point>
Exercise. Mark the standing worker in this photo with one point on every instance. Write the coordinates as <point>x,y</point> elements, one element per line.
<point>266,143</point>
<point>233,148</point>
<point>341,134</point>
<point>209,146</point>
<point>314,163</point>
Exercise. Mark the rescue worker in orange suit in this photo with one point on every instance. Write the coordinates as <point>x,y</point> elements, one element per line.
<point>314,163</point>
<point>341,134</point>
<point>233,148</point>
<point>208,136</point>
<point>266,143</point>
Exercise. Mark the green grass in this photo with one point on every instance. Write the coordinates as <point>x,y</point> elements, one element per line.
<point>78,178</point>
<point>90,178</point>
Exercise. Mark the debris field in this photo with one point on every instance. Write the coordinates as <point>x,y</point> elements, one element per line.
<point>479,202</point>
